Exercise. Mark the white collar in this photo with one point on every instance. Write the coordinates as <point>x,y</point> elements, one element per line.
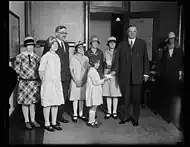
<point>129,39</point>
<point>27,53</point>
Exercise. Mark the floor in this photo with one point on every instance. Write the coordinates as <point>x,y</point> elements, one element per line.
<point>152,130</point>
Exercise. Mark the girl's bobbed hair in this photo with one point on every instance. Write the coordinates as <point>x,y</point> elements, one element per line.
<point>51,40</point>
<point>92,62</point>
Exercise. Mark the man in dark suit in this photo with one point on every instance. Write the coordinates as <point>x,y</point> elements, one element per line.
<point>63,53</point>
<point>131,67</point>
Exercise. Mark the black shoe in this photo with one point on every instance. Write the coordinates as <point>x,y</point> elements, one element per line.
<point>75,118</point>
<point>35,124</point>
<point>28,126</point>
<point>84,118</point>
<point>58,123</point>
<point>49,128</point>
<point>107,116</point>
<point>114,116</point>
<point>93,125</point>
<point>135,122</point>
<point>124,121</point>
<point>64,120</point>
<point>56,127</point>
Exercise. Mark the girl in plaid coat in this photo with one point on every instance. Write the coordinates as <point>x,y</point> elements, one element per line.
<point>26,65</point>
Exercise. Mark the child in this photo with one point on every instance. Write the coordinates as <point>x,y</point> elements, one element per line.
<point>51,89</point>
<point>26,65</point>
<point>111,88</point>
<point>78,68</point>
<point>94,91</point>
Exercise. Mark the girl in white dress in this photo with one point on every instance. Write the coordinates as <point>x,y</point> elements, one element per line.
<point>79,64</point>
<point>51,89</point>
<point>93,91</point>
<point>111,88</point>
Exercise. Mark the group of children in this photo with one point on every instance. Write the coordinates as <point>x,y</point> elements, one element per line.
<point>87,85</point>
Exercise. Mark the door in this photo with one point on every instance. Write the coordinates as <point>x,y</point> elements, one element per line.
<point>119,24</point>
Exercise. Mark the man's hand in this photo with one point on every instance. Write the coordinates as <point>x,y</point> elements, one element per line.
<point>146,78</point>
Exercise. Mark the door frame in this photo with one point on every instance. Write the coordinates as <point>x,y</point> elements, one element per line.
<point>156,27</point>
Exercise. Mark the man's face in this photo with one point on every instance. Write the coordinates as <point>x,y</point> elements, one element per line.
<point>132,32</point>
<point>61,34</point>
<point>172,40</point>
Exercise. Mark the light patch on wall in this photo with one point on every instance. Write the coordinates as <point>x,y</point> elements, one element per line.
<point>100,25</point>
<point>46,16</point>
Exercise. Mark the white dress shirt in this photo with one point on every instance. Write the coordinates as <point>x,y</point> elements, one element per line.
<point>60,43</point>
<point>133,41</point>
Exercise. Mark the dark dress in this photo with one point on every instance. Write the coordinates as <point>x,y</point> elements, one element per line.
<point>170,75</point>
<point>99,55</point>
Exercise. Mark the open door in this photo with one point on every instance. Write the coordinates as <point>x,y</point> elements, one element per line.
<point>119,24</point>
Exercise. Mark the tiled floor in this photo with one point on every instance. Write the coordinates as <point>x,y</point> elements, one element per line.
<point>152,129</point>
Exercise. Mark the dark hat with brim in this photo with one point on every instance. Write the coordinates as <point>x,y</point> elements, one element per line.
<point>79,43</point>
<point>111,39</point>
<point>94,38</point>
<point>29,41</point>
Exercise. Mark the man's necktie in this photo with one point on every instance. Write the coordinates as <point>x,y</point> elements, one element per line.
<point>131,43</point>
<point>63,46</point>
<point>29,59</point>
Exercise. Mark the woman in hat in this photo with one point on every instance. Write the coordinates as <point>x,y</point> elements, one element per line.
<point>95,53</point>
<point>172,66</point>
<point>51,89</point>
<point>26,66</point>
<point>79,64</point>
<point>111,88</point>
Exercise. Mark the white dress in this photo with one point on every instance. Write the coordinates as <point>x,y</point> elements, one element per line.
<point>51,89</point>
<point>79,66</point>
<point>93,88</point>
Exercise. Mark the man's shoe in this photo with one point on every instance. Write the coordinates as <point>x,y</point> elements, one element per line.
<point>124,121</point>
<point>135,122</point>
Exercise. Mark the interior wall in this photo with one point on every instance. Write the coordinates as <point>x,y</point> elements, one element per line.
<point>47,15</point>
<point>168,14</point>
<point>100,25</point>
<point>17,7</point>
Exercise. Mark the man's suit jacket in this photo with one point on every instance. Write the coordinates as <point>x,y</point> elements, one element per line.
<point>64,58</point>
<point>129,60</point>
